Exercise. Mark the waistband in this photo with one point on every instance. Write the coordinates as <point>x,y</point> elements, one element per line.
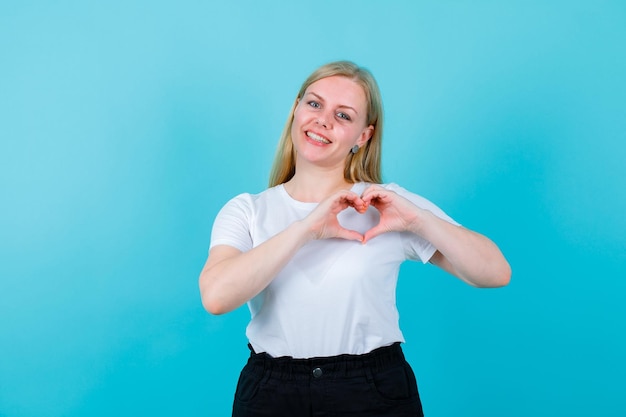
<point>340,366</point>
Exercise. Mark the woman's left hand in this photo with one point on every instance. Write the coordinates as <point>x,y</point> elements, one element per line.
<point>397,214</point>
<point>463,253</point>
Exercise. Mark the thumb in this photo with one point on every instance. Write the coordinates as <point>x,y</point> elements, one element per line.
<point>349,235</point>
<point>373,232</point>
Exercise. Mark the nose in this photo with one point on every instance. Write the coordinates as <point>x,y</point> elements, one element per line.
<point>321,120</point>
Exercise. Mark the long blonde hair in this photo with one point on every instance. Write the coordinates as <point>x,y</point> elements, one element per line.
<point>362,166</point>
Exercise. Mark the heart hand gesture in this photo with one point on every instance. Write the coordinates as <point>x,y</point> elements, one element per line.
<point>322,222</point>
<point>397,214</point>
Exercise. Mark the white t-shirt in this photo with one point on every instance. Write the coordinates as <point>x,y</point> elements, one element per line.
<point>335,296</point>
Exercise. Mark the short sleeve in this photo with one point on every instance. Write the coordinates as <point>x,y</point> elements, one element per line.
<point>232,224</point>
<point>416,247</point>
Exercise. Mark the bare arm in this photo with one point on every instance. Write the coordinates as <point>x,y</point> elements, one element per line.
<point>231,277</point>
<point>468,255</point>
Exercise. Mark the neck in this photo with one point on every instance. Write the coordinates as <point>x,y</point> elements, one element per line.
<point>306,187</point>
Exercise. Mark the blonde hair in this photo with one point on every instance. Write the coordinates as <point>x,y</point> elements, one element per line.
<point>362,166</point>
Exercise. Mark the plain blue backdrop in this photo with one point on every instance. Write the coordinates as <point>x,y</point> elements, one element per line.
<point>125,126</point>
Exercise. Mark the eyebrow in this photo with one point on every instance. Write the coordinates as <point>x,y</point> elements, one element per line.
<point>341,105</point>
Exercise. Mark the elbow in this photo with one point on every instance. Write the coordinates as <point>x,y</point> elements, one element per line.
<point>501,281</point>
<point>500,277</point>
<point>211,301</point>
<point>214,306</point>
<point>504,276</point>
<point>492,275</point>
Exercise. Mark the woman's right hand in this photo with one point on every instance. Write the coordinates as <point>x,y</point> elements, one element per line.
<point>322,222</point>
<point>231,277</point>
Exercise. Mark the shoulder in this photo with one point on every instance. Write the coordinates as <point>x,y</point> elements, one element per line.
<point>249,206</point>
<point>392,186</point>
<point>249,200</point>
<point>360,187</point>
<point>420,201</point>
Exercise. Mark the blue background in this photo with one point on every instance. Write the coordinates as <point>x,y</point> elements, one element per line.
<point>125,126</point>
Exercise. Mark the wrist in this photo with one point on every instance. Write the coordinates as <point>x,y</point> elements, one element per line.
<point>303,231</point>
<point>419,223</point>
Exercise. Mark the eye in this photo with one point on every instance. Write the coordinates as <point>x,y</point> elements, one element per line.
<point>314,104</point>
<point>343,116</point>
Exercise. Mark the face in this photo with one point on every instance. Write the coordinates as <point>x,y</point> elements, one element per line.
<point>329,120</point>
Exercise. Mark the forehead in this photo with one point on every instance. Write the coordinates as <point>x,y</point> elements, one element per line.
<point>339,90</point>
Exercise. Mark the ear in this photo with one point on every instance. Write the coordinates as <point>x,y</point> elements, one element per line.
<point>366,135</point>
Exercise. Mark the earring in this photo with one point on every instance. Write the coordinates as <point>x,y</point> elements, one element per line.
<point>354,149</point>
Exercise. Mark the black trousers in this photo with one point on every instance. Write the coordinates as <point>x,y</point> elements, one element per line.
<point>379,383</point>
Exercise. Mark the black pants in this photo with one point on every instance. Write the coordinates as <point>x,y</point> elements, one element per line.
<point>379,383</point>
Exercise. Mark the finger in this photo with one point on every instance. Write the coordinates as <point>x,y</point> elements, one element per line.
<point>362,209</point>
<point>349,235</point>
<point>368,191</point>
<point>360,205</point>
<point>356,202</point>
<point>371,188</point>
<point>371,195</point>
<point>339,204</point>
<point>352,197</point>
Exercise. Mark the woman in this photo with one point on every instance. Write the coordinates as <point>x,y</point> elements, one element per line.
<point>316,257</point>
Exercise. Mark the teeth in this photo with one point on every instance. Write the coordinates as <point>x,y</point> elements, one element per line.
<point>317,138</point>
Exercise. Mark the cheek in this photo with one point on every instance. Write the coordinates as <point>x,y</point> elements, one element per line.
<point>296,128</point>
<point>298,118</point>
<point>353,134</point>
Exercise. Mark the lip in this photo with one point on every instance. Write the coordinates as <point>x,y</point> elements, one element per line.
<point>307,133</point>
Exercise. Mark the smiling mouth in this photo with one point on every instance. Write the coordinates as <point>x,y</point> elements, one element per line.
<point>317,138</point>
